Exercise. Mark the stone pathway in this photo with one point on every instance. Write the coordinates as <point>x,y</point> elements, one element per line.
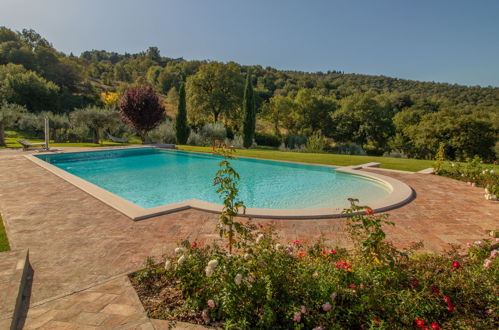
<point>77,242</point>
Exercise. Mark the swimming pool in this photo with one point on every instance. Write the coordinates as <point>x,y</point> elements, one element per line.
<point>151,177</point>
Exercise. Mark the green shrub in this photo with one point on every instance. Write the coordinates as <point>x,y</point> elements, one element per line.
<point>295,141</point>
<point>348,149</point>
<point>164,133</point>
<point>211,132</point>
<point>264,139</point>
<point>195,139</point>
<point>474,172</point>
<point>316,142</point>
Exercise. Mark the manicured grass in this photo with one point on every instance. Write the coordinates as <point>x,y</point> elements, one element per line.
<point>329,159</point>
<point>4,242</point>
<point>12,137</point>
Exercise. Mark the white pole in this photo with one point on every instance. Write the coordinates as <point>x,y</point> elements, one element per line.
<point>47,133</point>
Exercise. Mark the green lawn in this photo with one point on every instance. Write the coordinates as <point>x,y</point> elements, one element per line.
<point>4,242</point>
<point>329,159</point>
<point>12,137</point>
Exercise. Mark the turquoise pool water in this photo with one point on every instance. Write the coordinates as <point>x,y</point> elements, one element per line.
<point>151,177</point>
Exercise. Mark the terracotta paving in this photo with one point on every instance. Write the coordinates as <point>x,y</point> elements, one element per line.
<point>76,241</point>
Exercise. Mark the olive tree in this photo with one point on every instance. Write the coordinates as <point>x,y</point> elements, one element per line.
<point>96,119</point>
<point>9,113</point>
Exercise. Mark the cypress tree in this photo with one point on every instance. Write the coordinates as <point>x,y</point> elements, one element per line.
<point>249,124</point>
<point>181,126</point>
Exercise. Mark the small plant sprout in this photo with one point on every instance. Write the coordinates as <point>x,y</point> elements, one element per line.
<point>227,179</point>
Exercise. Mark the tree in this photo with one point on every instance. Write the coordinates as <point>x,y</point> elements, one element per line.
<point>249,113</point>
<point>215,90</point>
<point>7,35</point>
<point>153,54</point>
<point>110,99</point>
<point>96,119</point>
<point>141,109</point>
<point>9,113</point>
<point>315,110</point>
<point>364,121</point>
<point>33,39</point>
<point>181,125</point>
<point>281,112</point>
<point>17,85</point>
<point>464,133</point>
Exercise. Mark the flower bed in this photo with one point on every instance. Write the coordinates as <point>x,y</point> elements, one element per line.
<point>268,285</point>
<point>473,172</point>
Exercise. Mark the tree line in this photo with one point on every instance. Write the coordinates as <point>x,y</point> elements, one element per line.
<point>377,114</point>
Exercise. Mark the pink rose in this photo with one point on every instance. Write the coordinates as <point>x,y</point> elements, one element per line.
<point>205,316</point>
<point>487,263</point>
<point>211,303</point>
<point>326,307</point>
<point>297,317</point>
<point>303,309</point>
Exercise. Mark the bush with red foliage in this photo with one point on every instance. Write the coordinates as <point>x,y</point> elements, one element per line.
<point>141,109</point>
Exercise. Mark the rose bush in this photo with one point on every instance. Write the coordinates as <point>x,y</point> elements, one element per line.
<point>475,173</point>
<point>296,286</point>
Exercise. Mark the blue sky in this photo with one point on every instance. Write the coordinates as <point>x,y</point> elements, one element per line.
<point>429,40</point>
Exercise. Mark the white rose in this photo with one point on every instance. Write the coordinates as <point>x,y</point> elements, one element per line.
<point>238,279</point>
<point>179,250</point>
<point>213,263</point>
<point>168,265</point>
<point>209,271</point>
<point>181,260</point>
<point>259,238</point>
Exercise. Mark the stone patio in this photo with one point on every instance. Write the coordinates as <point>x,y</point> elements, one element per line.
<point>81,249</point>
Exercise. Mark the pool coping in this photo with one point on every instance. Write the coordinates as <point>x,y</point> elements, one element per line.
<point>400,194</point>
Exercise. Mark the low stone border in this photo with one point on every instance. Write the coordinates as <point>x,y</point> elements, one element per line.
<point>14,300</point>
<point>427,171</point>
<point>400,194</point>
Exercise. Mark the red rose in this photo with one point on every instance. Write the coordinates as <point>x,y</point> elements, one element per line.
<point>194,244</point>
<point>435,289</point>
<point>419,322</point>
<point>450,308</point>
<point>353,286</point>
<point>413,284</point>
<point>447,300</point>
<point>377,322</point>
<point>324,252</point>
<point>456,265</point>
<point>369,211</point>
<point>435,326</point>
<point>333,251</point>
